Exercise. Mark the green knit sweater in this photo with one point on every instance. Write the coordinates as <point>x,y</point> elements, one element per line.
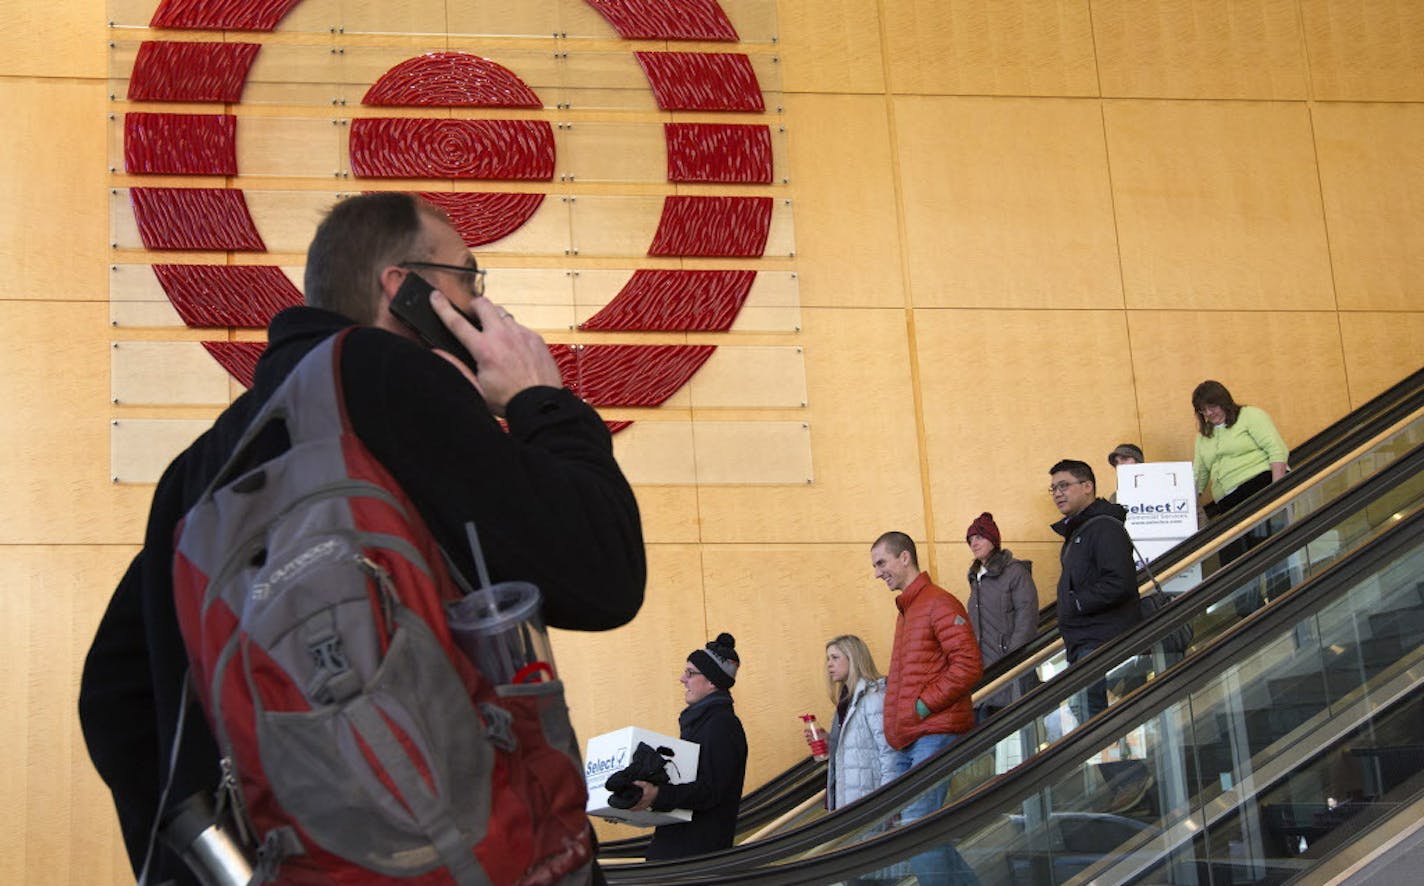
<point>1235,454</point>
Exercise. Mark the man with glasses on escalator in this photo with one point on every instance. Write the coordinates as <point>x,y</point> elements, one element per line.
<point>1097,590</point>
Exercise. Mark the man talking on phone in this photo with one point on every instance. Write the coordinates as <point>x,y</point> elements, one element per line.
<point>550,503</point>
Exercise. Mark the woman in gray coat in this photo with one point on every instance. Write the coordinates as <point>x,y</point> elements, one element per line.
<point>860,759</point>
<point>1003,604</point>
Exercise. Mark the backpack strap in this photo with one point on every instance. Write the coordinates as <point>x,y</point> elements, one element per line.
<point>315,383</point>
<point>1063,554</point>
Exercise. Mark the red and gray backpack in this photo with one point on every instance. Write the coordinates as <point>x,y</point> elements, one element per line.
<point>365,747</point>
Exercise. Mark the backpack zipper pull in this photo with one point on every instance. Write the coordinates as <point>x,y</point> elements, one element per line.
<point>383,581</point>
<point>230,792</point>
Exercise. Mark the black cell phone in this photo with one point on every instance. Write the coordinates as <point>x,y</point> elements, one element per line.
<point>411,306</point>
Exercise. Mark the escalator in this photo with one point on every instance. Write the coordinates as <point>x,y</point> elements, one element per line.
<point>1031,798</point>
<point>1324,467</point>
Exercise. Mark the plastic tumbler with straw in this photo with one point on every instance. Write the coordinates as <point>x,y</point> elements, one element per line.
<point>500,626</point>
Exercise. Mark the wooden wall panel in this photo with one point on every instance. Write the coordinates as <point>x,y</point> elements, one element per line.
<point>1008,393</point>
<point>783,603</point>
<point>532,17</point>
<point>52,40</point>
<point>755,21</point>
<point>60,824</point>
<point>272,147</point>
<point>1218,206</point>
<point>54,387</point>
<point>848,250</point>
<point>140,449</point>
<point>990,47</point>
<point>831,46</point>
<point>1199,49</point>
<point>54,228</point>
<point>1365,51</point>
<point>1288,363</point>
<point>669,514</point>
<point>766,377</point>
<point>1007,203</point>
<point>407,17</point>
<point>862,442</point>
<point>1373,185</point>
<point>137,299</point>
<point>1380,349</point>
<point>156,372</point>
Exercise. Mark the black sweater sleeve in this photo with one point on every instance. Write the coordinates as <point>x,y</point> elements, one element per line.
<point>550,503</point>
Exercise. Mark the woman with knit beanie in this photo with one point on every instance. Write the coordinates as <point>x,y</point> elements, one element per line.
<point>1003,604</point>
<point>715,795</point>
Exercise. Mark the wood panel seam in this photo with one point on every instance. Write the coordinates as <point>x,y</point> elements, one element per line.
<point>917,395</point>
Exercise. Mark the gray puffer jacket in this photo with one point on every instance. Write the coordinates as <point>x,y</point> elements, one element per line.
<point>1003,610</point>
<point>860,760</point>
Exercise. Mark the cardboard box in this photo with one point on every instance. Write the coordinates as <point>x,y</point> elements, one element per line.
<point>612,751</point>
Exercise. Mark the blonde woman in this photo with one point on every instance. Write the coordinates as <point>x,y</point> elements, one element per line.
<point>860,759</point>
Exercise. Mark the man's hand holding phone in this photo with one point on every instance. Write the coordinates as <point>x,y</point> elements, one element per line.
<point>510,357</point>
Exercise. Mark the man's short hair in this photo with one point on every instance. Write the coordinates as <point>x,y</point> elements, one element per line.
<point>360,236</point>
<point>1080,470</point>
<point>896,543</point>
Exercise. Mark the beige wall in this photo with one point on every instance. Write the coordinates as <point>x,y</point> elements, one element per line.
<point>1024,230</point>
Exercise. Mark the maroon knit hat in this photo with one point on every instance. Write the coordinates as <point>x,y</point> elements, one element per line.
<point>984,525</point>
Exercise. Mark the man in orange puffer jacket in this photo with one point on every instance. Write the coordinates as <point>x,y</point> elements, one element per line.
<point>928,695</point>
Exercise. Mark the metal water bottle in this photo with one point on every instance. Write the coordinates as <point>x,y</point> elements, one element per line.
<point>192,831</point>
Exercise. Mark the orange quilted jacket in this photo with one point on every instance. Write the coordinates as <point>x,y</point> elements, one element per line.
<point>935,659</point>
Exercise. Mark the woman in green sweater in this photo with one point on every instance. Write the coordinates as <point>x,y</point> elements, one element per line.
<point>1238,452</point>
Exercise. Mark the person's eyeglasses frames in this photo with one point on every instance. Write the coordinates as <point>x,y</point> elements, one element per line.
<point>477,275</point>
<point>1062,485</point>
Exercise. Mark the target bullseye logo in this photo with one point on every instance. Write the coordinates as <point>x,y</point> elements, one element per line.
<point>411,146</point>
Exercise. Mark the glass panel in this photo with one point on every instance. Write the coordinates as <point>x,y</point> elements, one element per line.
<point>269,147</point>
<point>131,13</point>
<point>528,18</point>
<point>380,17</point>
<point>295,75</point>
<point>606,152</point>
<point>1284,754</point>
<point>1125,671</point>
<point>1173,771</point>
<point>1321,551</point>
<point>1317,496</point>
<point>755,20</point>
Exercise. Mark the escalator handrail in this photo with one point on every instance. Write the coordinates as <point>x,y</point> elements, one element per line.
<point>1398,394</point>
<point>1047,697</point>
<point>983,805</point>
<point>1389,398</point>
<point>1271,499</point>
<point>1304,474</point>
<point>758,808</point>
<point>1361,425</point>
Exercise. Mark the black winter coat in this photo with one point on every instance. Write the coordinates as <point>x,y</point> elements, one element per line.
<point>716,794</point>
<point>551,505</point>
<point>1097,592</point>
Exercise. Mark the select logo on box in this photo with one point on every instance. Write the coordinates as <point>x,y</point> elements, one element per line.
<point>1174,506</point>
<point>606,766</point>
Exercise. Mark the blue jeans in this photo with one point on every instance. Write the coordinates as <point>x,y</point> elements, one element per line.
<point>942,864</point>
